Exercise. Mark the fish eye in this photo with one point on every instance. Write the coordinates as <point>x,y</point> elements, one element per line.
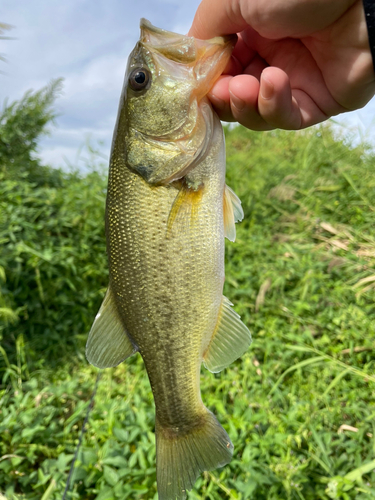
<point>139,78</point>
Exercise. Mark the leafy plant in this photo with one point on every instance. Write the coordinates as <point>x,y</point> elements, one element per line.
<point>299,405</point>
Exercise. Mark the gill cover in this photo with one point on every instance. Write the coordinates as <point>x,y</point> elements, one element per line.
<point>164,119</point>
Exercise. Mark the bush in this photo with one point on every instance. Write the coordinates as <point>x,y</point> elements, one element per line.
<point>53,257</point>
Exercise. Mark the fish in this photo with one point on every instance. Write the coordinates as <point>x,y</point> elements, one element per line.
<point>168,211</point>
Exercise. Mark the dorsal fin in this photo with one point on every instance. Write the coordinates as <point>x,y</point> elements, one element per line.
<point>108,343</point>
<point>232,213</point>
<point>230,339</point>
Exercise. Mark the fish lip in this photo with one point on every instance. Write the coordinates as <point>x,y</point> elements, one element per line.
<point>145,24</point>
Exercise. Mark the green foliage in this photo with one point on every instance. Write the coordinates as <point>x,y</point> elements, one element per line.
<point>299,406</point>
<point>54,259</point>
<point>52,238</point>
<point>21,125</point>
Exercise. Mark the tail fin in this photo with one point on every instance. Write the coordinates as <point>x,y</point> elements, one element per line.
<point>182,456</point>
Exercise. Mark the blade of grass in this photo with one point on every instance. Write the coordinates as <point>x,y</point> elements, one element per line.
<point>349,180</point>
<point>357,473</point>
<point>320,462</point>
<point>335,381</point>
<point>301,364</point>
<point>49,491</point>
<point>322,448</point>
<point>336,361</point>
<point>217,481</point>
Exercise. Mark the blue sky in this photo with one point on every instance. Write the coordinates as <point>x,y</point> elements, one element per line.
<point>87,43</point>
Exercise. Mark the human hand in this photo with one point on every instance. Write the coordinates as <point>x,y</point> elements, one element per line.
<point>296,62</point>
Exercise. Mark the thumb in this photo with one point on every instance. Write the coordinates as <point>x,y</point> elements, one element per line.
<point>216,18</point>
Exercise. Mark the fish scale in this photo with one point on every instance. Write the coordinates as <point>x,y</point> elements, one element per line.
<point>168,210</point>
<point>190,282</point>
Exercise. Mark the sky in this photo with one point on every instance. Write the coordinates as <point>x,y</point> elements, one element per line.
<point>87,44</point>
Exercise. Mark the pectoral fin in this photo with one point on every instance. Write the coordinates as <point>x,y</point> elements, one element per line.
<point>230,340</point>
<point>232,213</point>
<point>185,208</point>
<point>108,343</point>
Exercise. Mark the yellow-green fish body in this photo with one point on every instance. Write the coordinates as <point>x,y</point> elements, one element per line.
<point>167,212</point>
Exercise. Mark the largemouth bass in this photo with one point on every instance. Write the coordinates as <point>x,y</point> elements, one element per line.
<point>168,210</point>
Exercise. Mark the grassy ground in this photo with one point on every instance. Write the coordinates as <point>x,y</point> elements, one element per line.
<point>299,406</point>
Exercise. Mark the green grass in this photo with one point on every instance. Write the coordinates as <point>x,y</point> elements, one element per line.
<point>300,404</point>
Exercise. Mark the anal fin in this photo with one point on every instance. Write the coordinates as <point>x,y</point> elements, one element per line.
<point>230,339</point>
<point>108,343</point>
<point>232,212</point>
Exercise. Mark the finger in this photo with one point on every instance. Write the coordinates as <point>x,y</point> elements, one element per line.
<point>235,99</point>
<point>244,59</point>
<point>276,104</point>
<point>265,106</point>
<point>220,98</point>
<point>243,51</point>
<point>244,91</point>
<point>297,82</point>
<point>234,67</point>
<point>217,17</point>
<point>283,107</point>
<point>274,20</point>
<point>255,67</point>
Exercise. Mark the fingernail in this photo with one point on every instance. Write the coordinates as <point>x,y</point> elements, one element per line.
<point>266,88</point>
<point>238,103</point>
<point>216,101</point>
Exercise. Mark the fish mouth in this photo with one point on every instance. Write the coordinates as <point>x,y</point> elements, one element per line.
<point>183,70</point>
<point>182,48</point>
<point>200,61</point>
<point>147,26</point>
